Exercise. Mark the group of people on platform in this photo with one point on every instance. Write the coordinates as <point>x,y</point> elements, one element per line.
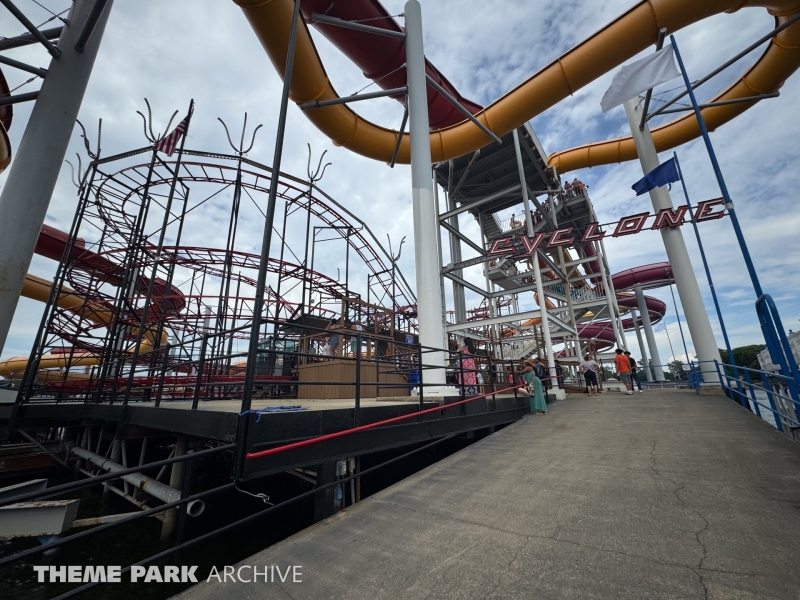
<point>625,365</point>
<point>571,190</point>
<point>575,189</point>
<point>343,340</point>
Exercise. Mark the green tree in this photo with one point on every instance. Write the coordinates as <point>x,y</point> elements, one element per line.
<point>745,356</point>
<point>676,371</point>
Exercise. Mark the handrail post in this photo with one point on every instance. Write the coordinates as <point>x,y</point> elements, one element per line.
<point>752,392</point>
<point>491,378</point>
<point>200,366</point>
<point>163,374</point>
<point>357,413</point>
<point>419,376</point>
<point>514,382</point>
<point>723,375</point>
<point>775,412</point>
<point>461,373</point>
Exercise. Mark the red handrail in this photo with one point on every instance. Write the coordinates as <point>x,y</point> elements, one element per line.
<point>330,436</point>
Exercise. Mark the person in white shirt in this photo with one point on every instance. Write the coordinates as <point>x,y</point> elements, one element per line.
<point>589,370</point>
<point>325,349</point>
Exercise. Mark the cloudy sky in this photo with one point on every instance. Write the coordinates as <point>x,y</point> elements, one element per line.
<point>171,51</point>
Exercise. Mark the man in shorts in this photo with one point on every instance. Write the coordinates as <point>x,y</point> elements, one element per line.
<point>634,375</point>
<point>589,370</point>
<point>624,370</point>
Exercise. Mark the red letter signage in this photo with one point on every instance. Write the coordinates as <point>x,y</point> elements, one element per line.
<point>591,234</point>
<point>703,211</point>
<point>532,244</point>
<point>558,238</point>
<point>501,246</point>
<point>631,225</point>
<point>670,217</point>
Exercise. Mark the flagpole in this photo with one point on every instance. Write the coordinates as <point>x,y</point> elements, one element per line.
<point>718,174</point>
<point>779,349</point>
<point>705,263</point>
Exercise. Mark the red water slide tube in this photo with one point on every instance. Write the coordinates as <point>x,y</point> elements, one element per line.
<point>380,58</point>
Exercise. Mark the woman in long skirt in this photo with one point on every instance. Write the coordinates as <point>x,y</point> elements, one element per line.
<point>533,387</point>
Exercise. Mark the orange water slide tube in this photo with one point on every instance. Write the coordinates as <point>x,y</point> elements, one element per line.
<point>37,288</point>
<point>634,31</point>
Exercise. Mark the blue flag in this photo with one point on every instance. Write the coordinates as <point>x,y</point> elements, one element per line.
<point>662,175</point>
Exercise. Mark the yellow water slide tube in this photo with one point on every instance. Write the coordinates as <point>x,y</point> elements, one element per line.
<point>634,31</point>
<point>37,288</point>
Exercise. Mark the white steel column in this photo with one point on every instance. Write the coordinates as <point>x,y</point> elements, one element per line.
<point>34,172</point>
<point>645,364</point>
<point>605,276</point>
<point>459,300</point>
<point>426,255</point>
<point>439,255</point>
<point>537,273</point>
<point>705,346</point>
<point>648,333</point>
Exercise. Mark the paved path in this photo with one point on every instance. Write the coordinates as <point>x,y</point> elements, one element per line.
<point>659,495</point>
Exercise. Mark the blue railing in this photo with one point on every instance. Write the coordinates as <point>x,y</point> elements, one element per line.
<point>759,390</point>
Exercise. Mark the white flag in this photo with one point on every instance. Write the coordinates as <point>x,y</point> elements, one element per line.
<point>638,77</point>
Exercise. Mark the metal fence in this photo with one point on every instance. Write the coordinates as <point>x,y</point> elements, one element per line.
<point>771,396</point>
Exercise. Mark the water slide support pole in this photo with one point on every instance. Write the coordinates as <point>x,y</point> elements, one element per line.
<point>705,345</point>
<point>658,372</point>
<point>537,273</point>
<point>426,256</point>
<point>33,175</point>
<point>645,365</point>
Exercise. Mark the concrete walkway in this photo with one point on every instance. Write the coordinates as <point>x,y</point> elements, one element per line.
<point>659,495</point>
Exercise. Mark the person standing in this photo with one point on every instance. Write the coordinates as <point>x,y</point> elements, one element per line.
<point>334,339</point>
<point>623,370</point>
<point>355,348</point>
<point>634,374</point>
<point>468,371</point>
<point>325,347</point>
<point>538,367</point>
<point>533,388</point>
<point>589,370</point>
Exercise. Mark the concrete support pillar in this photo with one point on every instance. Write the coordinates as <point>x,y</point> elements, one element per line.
<point>648,333</point>
<point>324,499</point>
<point>638,329</point>
<point>40,157</point>
<point>426,256</point>
<point>116,451</point>
<point>175,481</point>
<point>705,346</point>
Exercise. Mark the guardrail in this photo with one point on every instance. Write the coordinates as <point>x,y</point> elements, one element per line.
<point>759,390</point>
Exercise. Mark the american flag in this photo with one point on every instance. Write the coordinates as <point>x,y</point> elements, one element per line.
<point>168,143</point>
